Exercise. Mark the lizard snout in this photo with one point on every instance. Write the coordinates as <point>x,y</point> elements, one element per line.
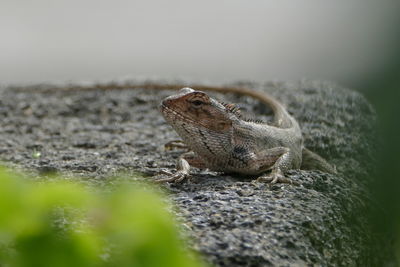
<point>167,102</point>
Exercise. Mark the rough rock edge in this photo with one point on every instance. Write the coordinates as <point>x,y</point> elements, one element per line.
<point>234,222</point>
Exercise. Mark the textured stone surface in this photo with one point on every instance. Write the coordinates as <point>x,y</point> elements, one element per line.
<point>233,221</point>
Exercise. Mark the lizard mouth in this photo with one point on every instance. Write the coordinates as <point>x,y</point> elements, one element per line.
<point>181,119</point>
<point>171,115</point>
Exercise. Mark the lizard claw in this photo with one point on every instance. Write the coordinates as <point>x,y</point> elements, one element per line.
<point>165,172</point>
<point>275,177</point>
<point>182,172</point>
<point>179,176</point>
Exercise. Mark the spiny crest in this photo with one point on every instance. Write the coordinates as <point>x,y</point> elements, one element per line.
<point>235,110</point>
<point>232,108</point>
<point>254,120</point>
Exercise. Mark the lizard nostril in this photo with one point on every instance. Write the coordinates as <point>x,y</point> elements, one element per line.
<point>166,102</point>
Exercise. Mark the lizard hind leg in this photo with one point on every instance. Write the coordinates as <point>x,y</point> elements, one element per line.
<point>283,162</point>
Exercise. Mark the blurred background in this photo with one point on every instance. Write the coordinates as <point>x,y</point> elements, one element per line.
<point>350,42</point>
<point>355,43</point>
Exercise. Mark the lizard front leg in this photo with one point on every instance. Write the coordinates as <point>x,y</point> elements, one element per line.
<point>183,168</point>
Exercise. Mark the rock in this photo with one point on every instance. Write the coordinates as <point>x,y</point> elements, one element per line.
<point>232,221</point>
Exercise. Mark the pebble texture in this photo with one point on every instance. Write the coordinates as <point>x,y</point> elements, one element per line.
<point>232,221</point>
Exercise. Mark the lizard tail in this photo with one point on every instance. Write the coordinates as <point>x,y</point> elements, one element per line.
<point>313,161</point>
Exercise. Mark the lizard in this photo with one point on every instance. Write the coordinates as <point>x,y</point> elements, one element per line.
<point>221,140</point>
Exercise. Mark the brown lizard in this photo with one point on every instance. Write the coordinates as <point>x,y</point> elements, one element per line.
<point>220,140</point>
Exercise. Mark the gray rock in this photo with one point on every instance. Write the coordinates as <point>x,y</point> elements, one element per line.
<point>232,221</point>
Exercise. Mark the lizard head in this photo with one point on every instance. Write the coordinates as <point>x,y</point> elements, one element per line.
<point>190,108</point>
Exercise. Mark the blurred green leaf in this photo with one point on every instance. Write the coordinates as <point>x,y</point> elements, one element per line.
<point>65,224</point>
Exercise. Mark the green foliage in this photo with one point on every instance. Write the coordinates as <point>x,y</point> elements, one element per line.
<point>65,224</point>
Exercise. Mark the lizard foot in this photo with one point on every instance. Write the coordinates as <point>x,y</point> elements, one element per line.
<point>182,172</point>
<point>177,177</point>
<point>276,177</point>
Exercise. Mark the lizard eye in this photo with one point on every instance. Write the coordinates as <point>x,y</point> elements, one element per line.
<point>197,103</point>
